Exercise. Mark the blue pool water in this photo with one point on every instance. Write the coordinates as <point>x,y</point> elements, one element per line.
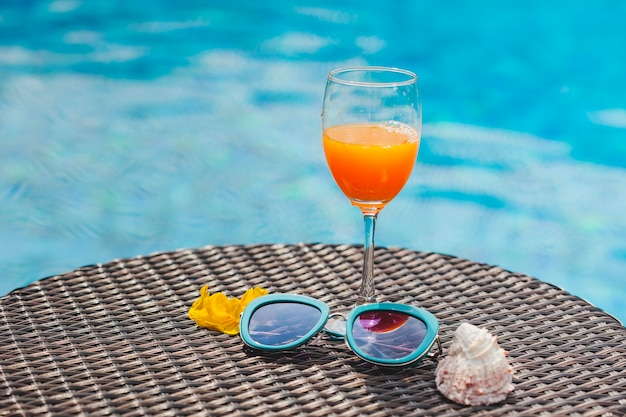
<point>133,127</point>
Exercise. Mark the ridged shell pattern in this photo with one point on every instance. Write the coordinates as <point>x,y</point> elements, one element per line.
<point>475,370</point>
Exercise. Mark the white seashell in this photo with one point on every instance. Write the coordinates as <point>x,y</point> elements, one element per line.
<point>475,371</point>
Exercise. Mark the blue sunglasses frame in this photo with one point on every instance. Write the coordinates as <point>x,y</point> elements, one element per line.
<point>423,349</point>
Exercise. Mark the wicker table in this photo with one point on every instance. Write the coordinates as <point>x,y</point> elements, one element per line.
<point>114,339</point>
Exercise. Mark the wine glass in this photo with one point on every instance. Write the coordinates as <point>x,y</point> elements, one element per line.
<point>371,123</point>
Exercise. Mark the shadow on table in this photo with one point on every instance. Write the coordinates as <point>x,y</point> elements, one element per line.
<point>331,371</point>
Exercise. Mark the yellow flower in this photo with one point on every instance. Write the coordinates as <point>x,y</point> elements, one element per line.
<point>251,294</point>
<point>220,313</point>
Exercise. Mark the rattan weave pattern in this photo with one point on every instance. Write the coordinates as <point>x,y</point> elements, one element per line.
<point>115,340</point>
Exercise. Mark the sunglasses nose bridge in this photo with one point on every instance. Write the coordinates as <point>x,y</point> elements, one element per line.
<point>335,327</point>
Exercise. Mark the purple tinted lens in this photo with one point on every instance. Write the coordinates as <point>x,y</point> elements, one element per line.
<point>282,324</point>
<point>388,334</point>
<point>382,321</point>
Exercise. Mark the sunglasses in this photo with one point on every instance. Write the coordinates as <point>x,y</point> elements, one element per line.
<point>386,334</point>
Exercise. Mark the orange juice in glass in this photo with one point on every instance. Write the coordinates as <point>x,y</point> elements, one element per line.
<point>371,129</point>
<point>370,162</point>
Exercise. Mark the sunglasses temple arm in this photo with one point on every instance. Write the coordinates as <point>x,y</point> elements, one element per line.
<point>439,351</point>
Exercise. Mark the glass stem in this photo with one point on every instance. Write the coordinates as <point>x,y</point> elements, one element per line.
<point>366,294</point>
